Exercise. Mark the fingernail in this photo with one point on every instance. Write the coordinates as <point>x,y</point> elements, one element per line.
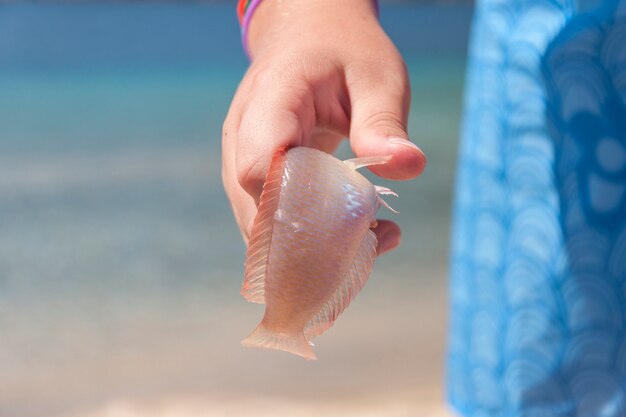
<point>405,142</point>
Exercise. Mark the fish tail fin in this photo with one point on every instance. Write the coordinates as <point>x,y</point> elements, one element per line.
<point>294,343</point>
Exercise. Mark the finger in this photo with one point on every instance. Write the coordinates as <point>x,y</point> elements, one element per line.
<point>242,204</point>
<point>380,105</point>
<point>388,235</point>
<point>324,140</point>
<point>268,123</point>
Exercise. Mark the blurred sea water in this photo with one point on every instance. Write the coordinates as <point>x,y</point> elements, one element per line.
<point>120,263</point>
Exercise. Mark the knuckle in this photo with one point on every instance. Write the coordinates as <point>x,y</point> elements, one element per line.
<point>269,77</point>
<point>387,121</point>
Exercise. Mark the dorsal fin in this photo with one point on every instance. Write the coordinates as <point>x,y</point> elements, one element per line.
<point>257,256</point>
<point>351,284</point>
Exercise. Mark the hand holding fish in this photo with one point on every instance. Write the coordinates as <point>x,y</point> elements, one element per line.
<point>321,71</point>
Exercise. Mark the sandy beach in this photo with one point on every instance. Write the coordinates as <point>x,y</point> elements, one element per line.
<point>271,407</point>
<point>384,357</point>
<point>379,371</point>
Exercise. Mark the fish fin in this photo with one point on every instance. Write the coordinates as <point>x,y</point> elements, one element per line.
<point>384,203</point>
<point>351,285</point>
<point>385,191</point>
<point>257,255</point>
<point>356,163</point>
<point>294,343</point>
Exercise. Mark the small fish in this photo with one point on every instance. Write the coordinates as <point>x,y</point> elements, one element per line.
<point>311,248</point>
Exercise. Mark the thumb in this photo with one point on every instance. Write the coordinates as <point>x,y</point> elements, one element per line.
<point>380,106</point>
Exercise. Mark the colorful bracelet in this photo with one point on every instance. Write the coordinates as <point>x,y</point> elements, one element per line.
<point>245,10</point>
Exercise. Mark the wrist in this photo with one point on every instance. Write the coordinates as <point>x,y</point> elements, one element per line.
<point>307,22</point>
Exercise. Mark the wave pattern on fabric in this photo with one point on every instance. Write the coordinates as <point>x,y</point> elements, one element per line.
<point>538,286</point>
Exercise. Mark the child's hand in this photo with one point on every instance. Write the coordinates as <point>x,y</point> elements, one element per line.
<point>322,70</point>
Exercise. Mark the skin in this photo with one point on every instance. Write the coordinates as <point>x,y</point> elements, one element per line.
<point>321,70</point>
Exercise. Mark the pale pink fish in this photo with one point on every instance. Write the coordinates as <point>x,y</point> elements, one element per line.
<point>311,249</point>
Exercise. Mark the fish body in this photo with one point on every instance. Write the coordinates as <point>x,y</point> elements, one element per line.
<point>311,249</point>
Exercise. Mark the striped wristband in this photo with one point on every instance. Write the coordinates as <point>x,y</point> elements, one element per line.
<point>245,10</point>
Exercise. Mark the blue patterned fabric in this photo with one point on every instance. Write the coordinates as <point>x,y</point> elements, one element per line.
<point>538,274</point>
